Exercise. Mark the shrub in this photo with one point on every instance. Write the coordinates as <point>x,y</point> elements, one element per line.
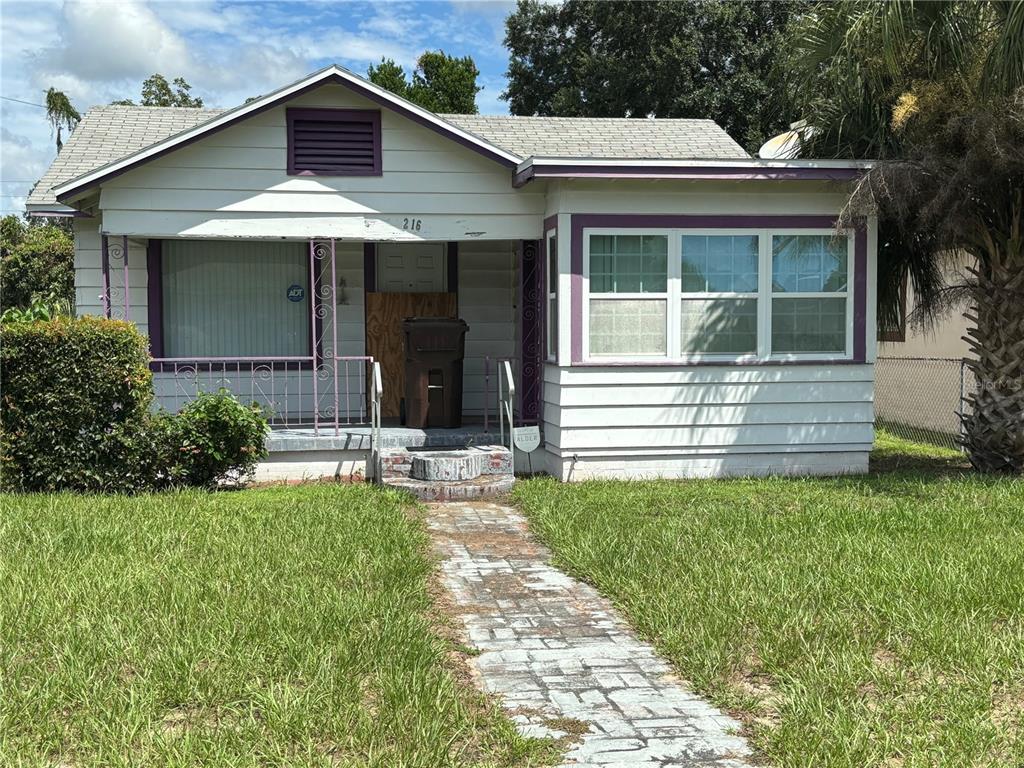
<point>35,261</point>
<point>75,401</point>
<point>212,438</point>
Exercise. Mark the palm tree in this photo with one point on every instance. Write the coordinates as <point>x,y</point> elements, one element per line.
<point>935,92</point>
<point>60,113</point>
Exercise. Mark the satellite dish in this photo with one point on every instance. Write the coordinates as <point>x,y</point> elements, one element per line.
<point>786,146</point>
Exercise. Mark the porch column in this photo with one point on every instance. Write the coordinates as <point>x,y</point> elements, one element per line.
<point>531,272</point>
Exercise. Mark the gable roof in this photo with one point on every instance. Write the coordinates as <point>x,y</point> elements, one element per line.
<point>113,139</point>
<point>329,75</point>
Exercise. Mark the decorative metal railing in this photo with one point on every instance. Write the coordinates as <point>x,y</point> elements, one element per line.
<point>324,394</point>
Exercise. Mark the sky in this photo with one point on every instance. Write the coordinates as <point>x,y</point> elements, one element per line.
<point>97,51</point>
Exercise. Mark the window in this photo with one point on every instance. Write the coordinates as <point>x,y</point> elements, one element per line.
<point>810,276</point>
<point>224,299</point>
<point>334,142</point>
<point>551,288</point>
<point>628,294</point>
<point>718,295</point>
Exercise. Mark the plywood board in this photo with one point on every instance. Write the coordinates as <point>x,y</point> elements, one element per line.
<point>384,315</point>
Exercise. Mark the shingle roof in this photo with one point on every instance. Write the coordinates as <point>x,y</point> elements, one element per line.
<point>608,137</point>
<point>110,133</point>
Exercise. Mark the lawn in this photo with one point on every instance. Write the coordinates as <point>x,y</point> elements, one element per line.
<point>280,626</point>
<point>865,621</point>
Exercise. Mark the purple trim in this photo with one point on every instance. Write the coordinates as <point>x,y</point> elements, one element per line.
<point>860,293</point>
<point>712,363</point>
<point>531,342</point>
<point>371,116</point>
<point>127,287</point>
<point>105,276</point>
<point>155,297</point>
<point>331,79</point>
<point>453,269</point>
<point>583,221</point>
<point>730,173</point>
<point>369,267</point>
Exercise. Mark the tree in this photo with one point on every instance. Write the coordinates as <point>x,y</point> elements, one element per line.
<point>389,75</point>
<point>60,113</point>
<point>694,58</point>
<point>935,92</point>
<point>157,92</point>
<point>36,263</point>
<point>440,83</point>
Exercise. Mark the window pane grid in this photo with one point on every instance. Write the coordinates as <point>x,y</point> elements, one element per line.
<point>628,263</point>
<point>729,295</point>
<point>718,326</point>
<point>808,264</point>
<point>628,327</point>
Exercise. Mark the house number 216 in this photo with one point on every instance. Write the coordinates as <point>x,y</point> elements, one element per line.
<point>412,225</point>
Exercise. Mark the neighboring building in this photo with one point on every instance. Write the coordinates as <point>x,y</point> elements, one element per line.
<point>920,376</point>
<point>669,305</point>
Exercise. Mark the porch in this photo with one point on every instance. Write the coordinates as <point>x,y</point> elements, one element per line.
<point>305,329</point>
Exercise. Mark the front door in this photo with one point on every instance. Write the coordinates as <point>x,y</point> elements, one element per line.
<point>411,267</point>
<point>411,282</point>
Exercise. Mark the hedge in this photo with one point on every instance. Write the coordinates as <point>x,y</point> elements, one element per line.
<point>76,414</point>
<point>76,395</point>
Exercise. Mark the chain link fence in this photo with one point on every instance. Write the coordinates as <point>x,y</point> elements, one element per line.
<point>921,398</point>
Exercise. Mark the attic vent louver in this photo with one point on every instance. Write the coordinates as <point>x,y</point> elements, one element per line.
<point>333,142</point>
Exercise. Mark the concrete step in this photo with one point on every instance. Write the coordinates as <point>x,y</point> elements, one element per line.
<point>446,463</point>
<point>442,474</point>
<point>480,487</point>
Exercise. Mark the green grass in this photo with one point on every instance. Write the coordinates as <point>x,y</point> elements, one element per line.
<point>864,621</point>
<point>272,627</point>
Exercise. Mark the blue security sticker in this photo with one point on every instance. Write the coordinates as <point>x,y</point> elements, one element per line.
<point>296,292</point>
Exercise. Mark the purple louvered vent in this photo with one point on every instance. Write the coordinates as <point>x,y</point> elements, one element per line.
<point>334,142</point>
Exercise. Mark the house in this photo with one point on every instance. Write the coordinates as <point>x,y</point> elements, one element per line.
<point>662,303</point>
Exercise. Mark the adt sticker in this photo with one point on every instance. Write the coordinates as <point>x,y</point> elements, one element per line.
<point>296,293</point>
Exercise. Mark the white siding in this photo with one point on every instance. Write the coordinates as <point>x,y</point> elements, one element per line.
<point>89,275</point>
<point>487,302</point>
<point>683,421</point>
<point>234,184</point>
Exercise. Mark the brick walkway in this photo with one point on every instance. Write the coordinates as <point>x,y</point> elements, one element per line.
<point>560,658</point>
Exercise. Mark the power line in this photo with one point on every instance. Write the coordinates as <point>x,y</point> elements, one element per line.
<point>21,101</point>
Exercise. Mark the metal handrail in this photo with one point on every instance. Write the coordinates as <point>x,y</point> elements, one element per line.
<point>376,396</point>
<point>505,407</point>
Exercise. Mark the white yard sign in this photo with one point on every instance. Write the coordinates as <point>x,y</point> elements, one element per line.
<point>526,439</point>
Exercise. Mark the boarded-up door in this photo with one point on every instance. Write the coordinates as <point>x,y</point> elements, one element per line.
<point>384,315</point>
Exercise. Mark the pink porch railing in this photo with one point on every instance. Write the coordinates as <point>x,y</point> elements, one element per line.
<point>322,394</point>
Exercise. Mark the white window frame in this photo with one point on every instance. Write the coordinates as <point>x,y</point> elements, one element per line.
<point>675,296</point>
<point>766,245</point>
<point>666,296</point>
<point>550,296</point>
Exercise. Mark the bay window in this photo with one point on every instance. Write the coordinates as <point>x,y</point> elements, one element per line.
<point>717,295</point>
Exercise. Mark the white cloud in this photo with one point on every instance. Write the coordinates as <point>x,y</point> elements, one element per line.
<point>102,41</point>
